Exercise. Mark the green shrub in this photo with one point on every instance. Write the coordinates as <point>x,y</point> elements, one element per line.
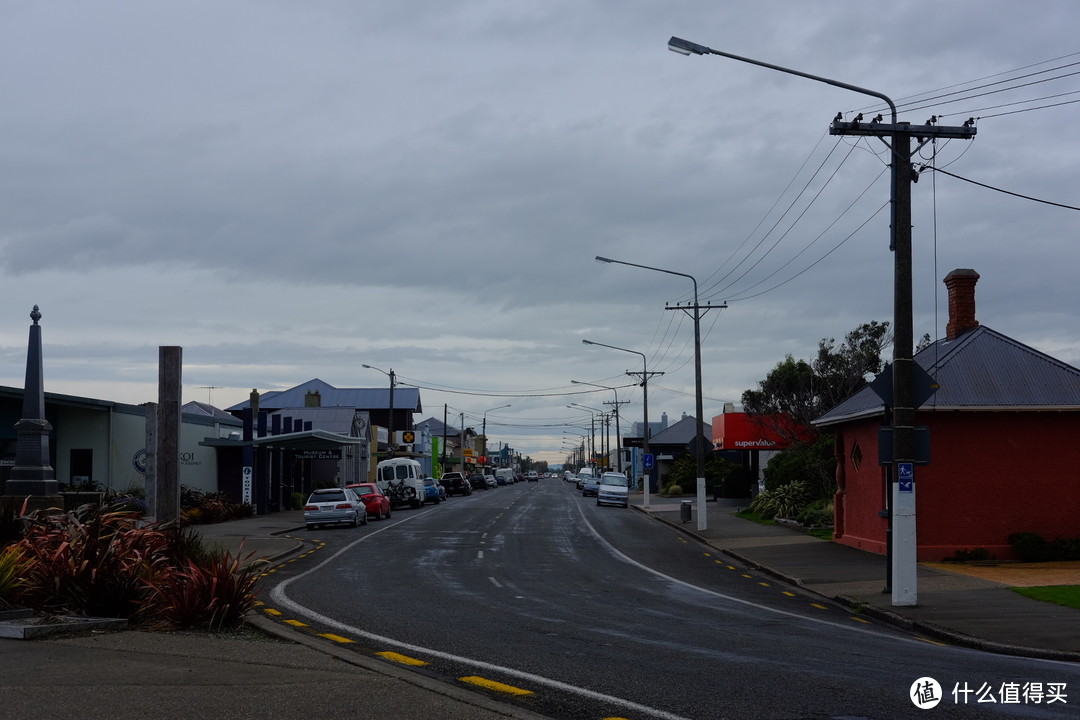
<point>785,501</point>
<point>1032,547</point>
<point>12,566</point>
<point>298,501</point>
<point>817,514</point>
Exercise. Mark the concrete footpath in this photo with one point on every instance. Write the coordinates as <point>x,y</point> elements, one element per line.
<point>960,605</point>
<point>289,674</point>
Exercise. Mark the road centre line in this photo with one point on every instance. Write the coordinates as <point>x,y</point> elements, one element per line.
<point>495,582</point>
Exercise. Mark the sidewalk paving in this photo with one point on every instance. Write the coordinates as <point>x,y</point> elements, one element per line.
<point>953,606</point>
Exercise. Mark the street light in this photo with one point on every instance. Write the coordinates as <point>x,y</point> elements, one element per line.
<point>618,443</point>
<point>699,440</point>
<point>646,476</point>
<point>903,561</point>
<point>391,448</point>
<point>485,424</point>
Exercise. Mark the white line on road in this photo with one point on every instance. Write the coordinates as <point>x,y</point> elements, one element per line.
<point>494,582</point>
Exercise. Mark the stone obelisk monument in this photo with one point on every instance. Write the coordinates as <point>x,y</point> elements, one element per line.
<point>33,474</point>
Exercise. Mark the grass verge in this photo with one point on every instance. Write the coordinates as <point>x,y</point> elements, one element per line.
<point>1067,595</point>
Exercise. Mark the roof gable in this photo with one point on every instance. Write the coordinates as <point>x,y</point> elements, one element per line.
<point>980,370</point>
<point>405,398</point>
<point>680,433</point>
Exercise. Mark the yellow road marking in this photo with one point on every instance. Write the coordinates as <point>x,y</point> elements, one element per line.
<point>403,659</point>
<point>747,576</point>
<point>763,584</point>
<point>859,619</point>
<point>296,623</point>
<point>272,611</point>
<point>789,594</point>
<point>820,607</point>
<point>336,638</point>
<point>496,686</point>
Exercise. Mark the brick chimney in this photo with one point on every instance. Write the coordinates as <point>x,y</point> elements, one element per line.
<point>961,285</point>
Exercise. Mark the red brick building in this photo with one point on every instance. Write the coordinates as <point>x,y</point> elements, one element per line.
<point>1004,430</point>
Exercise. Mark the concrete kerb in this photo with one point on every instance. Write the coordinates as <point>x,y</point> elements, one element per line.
<point>378,667</point>
<point>930,630</point>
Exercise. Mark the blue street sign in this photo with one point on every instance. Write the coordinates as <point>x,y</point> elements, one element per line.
<point>905,477</point>
<point>647,460</point>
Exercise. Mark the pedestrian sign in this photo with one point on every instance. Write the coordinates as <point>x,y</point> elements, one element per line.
<point>905,477</point>
<point>648,460</point>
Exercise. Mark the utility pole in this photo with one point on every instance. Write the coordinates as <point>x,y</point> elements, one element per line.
<point>699,439</point>
<point>618,443</point>
<point>902,582</point>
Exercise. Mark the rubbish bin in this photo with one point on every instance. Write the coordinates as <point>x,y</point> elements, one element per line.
<point>684,510</point>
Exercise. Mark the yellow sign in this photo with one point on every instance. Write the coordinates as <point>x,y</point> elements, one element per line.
<point>469,453</point>
<point>408,437</point>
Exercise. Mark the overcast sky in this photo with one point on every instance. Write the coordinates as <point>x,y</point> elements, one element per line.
<point>292,190</point>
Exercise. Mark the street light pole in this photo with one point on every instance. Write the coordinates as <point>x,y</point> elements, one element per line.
<point>903,538</point>
<point>646,477</point>
<point>391,447</point>
<point>699,440</point>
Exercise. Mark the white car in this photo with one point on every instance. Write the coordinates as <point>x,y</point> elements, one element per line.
<point>613,489</point>
<point>331,506</point>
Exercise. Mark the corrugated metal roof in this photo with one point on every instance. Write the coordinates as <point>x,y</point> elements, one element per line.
<point>361,398</point>
<point>981,370</point>
<point>680,433</point>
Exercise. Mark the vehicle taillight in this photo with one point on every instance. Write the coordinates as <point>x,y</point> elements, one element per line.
<point>310,507</point>
<point>344,506</point>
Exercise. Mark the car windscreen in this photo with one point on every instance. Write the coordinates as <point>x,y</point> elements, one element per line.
<point>363,491</point>
<point>614,480</point>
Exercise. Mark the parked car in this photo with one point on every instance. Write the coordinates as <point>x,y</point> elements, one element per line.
<point>491,481</point>
<point>590,486</point>
<point>532,476</point>
<point>378,505</point>
<point>456,484</point>
<point>433,491</point>
<point>333,506</point>
<point>478,482</point>
<point>614,489</point>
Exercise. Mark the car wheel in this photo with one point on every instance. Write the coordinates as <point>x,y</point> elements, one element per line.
<point>364,515</point>
<point>355,520</point>
<point>598,502</point>
<point>387,513</point>
<point>311,526</point>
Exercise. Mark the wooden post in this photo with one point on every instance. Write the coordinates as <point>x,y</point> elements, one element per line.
<point>170,362</point>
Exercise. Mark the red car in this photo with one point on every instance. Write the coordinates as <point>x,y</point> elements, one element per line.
<point>378,505</point>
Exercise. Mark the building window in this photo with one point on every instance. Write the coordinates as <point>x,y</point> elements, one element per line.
<point>856,456</point>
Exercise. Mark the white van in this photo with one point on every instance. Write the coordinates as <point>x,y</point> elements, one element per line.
<point>402,480</point>
<point>507,475</point>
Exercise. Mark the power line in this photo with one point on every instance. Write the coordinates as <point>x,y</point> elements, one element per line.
<point>1000,190</point>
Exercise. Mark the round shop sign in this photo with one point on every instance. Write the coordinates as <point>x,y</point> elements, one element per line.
<point>138,460</point>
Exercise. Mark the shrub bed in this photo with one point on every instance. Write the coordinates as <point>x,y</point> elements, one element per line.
<point>104,562</point>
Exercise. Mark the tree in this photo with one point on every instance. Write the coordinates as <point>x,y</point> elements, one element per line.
<point>803,391</point>
<point>796,392</point>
